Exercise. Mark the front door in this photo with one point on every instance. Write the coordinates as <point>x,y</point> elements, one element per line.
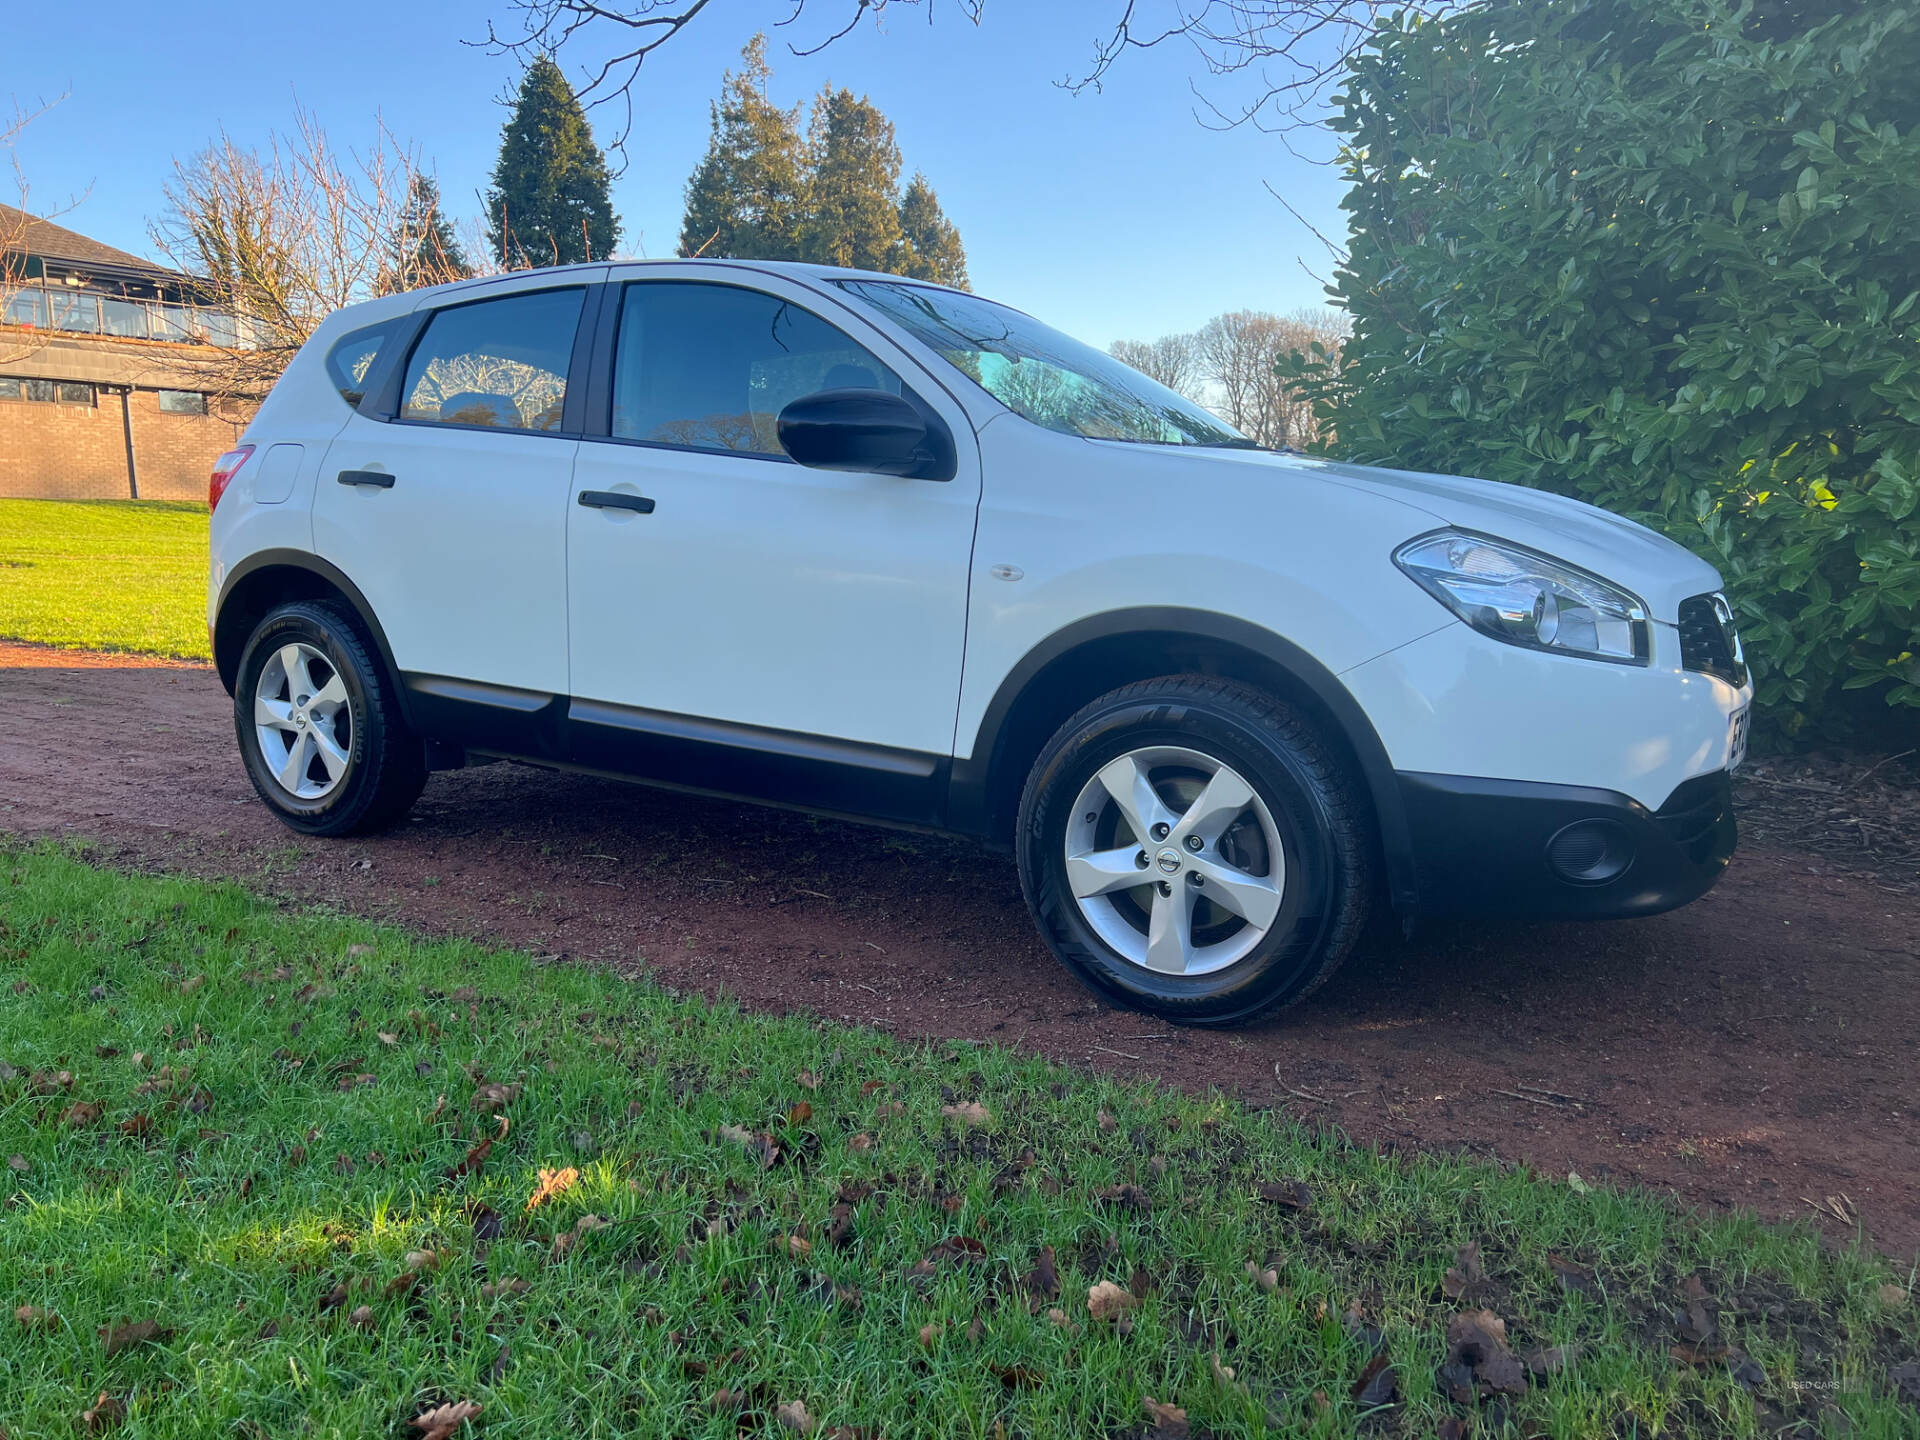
<point>759,627</point>
<point>451,518</point>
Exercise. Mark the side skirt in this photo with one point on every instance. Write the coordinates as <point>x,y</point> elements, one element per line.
<point>709,757</point>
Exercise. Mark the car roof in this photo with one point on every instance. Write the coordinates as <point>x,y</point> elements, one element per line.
<point>773,267</point>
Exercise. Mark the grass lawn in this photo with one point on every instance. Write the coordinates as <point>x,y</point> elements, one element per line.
<point>273,1172</point>
<point>105,575</point>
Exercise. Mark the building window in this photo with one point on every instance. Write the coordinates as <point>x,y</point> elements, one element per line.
<point>46,392</point>
<point>182,402</point>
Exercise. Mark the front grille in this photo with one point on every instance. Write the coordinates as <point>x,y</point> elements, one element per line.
<point>1708,641</point>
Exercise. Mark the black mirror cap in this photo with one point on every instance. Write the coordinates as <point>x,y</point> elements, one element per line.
<point>873,432</point>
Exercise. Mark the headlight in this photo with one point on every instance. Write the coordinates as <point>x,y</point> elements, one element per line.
<point>1524,598</point>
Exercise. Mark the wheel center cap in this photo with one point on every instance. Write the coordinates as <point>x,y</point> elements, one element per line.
<point>300,718</point>
<point>1169,861</point>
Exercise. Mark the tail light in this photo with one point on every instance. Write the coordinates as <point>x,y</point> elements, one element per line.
<point>224,469</point>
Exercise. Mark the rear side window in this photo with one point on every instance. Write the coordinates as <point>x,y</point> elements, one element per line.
<point>351,360</point>
<point>710,367</point>
<point>497,363</point>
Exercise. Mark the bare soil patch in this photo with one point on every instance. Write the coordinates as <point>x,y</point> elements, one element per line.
<point>1754,1049</point>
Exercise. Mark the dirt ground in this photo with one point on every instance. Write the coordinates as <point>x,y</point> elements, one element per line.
<point>1755,1049</point>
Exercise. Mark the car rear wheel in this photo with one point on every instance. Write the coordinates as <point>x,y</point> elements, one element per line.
<point>1192,848</point>
<point>318,725</point>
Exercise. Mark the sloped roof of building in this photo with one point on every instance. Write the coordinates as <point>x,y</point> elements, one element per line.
<point>31,234</point>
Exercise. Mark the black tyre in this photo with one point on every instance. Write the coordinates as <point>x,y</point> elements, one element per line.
<point>1191,847</point>
<point>318,725</point>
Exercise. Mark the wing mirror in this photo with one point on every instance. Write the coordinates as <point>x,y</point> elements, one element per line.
<point>873,432</point>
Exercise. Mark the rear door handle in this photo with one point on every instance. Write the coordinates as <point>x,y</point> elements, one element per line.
<point>376,478</point>
<point>616,500</point>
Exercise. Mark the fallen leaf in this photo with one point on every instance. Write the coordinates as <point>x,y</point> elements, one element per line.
<point>1267,1279</point>
<point>136,1125</point>
<point>1477,1342</point>
<point>738,1134</point>
<point>82,1112</point>
<point>32,1315</point>
<point>1577,1185</point>
<point>187,987</point>
<point>1468,1277</point>
<point>131,1333</point>
<point>361,1317</point>
<point>441,1421</point>
<point>1748,1373</point>
<point>928,1334</point>
<point>1893,1297</point>
<point>422,1260</point>
<point>970,1112</point>
<point>808,1080</point>
<point>1551,1360</point>
<point>793,1245</point>
<point>860,1143</point>
<point>504,1287</point>
<point>19,1164</point>
<point>107,1412</point>
<point>1127,1197</point>
<point>800,1114</point>
<point>354,1082</point>
<point>1291,1194</point>
<point>1107,1123</point>
<point>489,1098</point>
<point>1108,1301</point>
<point>792,1414</point>
<point>387,1037</point>
<point>1572,1276</point>
<point>551,1184</point>
<point>1169,1421</point>
<point>1378,1384</point>
<point>1016,1377</point>
<point>1224,1375</point>
<point>355,952</point>
<point>1043,1281</point>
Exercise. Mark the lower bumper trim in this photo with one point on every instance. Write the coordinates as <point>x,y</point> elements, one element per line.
<point>1527,848</point>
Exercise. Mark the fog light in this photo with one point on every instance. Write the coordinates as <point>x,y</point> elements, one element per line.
<point>1591,852</point>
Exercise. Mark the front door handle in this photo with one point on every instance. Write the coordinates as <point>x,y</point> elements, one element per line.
<point>616,500</point>
<point>379,479</point>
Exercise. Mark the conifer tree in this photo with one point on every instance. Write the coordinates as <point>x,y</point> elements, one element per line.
<point>853,207</point>
<point>748,196</point>
<point>423,250</point>
<point>550,201</point>
<point>930,243</point>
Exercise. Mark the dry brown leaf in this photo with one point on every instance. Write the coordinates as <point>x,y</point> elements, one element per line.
<point>82,1112</point>
<point>441,1421</point>
<point>792,1415</point>
<point>808,1080</point>
<point>1267,1279</point>
<point>860,1143</point>
<point>1378,1384</point>
<point>107,1412</point>
<point>490,1098</point>
<point>1043,1281</point>
<point>1893,1297</point>
<point>129,1333</point>
<point>1468,1277</point>
<point>800,1114</point>
<point>970,1112</point>
<point>19,1164</point>
<point>792,1245</point>
<point>552,1183</point>
<point>1107,1123</point>
<point>738,1134</point>
<point>493,1291</point>
<point>387,1037</point>
<point>928,1334</point>
<point>1108,1301</point>
<point>32,1315</point>
<point>362,1317</point>
<point>422,1260</point>
<point>1169,1421</point>
<point>187,987</point>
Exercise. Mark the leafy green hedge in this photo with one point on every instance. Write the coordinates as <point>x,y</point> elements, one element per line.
<point>1662,255</point>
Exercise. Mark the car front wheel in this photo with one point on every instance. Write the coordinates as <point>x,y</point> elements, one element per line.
<point>1192,848</point>
<point>318,725</point>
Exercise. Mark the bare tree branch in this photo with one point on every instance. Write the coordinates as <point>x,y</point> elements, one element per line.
<point>634,29</point>
<point>20,340</point>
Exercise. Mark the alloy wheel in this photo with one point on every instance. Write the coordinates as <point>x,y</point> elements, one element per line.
<point>1175,861</point>
<point>302,721</point>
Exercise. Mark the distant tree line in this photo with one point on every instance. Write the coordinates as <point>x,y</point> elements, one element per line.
<point>1232,364</point>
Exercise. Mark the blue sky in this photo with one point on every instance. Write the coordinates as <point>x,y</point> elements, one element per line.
<point>1113,215</point>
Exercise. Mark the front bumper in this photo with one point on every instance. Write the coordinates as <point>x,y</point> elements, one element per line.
<point>1524,847</point>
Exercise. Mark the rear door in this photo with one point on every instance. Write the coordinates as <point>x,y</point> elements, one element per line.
<point>449,512</point>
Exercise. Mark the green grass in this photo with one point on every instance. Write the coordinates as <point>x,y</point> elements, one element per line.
<point>105,575</point>
<point>271,1145</point>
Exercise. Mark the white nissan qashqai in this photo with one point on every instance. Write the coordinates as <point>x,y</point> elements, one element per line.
<point>889,551</point>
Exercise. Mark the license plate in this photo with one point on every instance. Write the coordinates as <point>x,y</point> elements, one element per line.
<point>1737,737</point>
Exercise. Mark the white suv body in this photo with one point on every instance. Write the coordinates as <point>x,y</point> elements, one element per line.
<point>557,517</point>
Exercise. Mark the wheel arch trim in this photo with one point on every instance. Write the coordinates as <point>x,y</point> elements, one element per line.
<point>978,780</point>
<point>227,646</point>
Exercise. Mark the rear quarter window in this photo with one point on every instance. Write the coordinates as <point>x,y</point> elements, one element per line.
<point>351,359</point>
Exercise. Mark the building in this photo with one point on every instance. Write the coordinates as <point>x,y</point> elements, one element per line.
<point>109,369</point>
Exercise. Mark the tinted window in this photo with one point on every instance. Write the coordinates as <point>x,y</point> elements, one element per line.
<point>352,357</point>
<point>499,362</point>
<point>183,402</point>
<point>712,366</point>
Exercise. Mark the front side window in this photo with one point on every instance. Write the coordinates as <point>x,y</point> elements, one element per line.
<point>1041,374</point>
<point>711,367</point>
<point>351,360</point>
<point>496,363</point>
